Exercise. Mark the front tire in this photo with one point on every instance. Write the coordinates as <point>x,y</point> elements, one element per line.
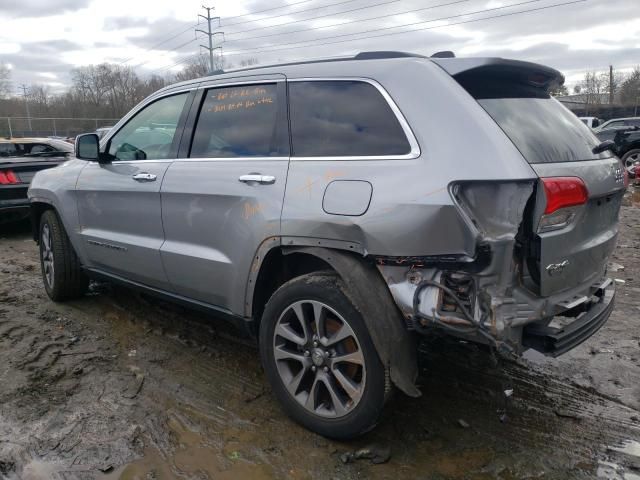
<point>319,357</point>
<point>62,274</point>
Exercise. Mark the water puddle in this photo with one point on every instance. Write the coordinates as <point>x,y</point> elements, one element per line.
<point>630,447</point>
<point>615,471</point>
<point>193,457</point>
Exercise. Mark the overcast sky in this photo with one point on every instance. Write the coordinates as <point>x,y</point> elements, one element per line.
<point>42,40</point>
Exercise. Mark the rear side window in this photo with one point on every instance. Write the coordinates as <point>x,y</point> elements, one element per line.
<point>9,150</point>
<point>41,148</point>
<point>241,121</point>
<point>343,118</point>
<point>543,130</point>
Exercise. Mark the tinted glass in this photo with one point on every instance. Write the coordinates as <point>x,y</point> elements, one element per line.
<point>241,121</point>
<point>41,148</point>
<point>9,150</point>
<point>149,134</point>
<point>543,130</point>
<point>614,124</point>
<point>634,122</point>
<point>343,118</point>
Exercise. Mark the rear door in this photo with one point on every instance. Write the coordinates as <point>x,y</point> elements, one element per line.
<point>119,202</point>
<point>225,196</point>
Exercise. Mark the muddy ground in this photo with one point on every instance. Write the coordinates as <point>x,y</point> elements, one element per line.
<point>119,385</point>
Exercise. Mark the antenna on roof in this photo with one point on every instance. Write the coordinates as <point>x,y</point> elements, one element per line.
<point>444,54</point>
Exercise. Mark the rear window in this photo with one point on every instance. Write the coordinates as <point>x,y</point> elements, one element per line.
<point>543,129</point>
<point>343,119</point>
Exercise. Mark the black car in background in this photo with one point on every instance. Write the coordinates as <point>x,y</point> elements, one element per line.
<point>627,145</point>
<point>20,159</point>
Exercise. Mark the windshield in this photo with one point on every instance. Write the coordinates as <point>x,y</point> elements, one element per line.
<point>543,129</point>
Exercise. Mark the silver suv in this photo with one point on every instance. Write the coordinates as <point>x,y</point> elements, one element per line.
<point>339,209</point>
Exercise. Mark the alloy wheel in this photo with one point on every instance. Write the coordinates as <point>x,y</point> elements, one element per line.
<point>631,159</point>
<point>319,359</point>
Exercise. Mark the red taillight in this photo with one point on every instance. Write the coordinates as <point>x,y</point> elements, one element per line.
<point>564,192</point>
<point>7,177</point>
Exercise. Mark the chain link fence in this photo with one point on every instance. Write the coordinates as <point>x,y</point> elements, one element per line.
<point>51,126</point>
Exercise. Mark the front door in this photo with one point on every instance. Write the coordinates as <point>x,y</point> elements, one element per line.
<point>119,202</point>
<point>222,201</point>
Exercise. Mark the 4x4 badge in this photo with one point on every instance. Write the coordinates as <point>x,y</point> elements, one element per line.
<point>555,268</point>
<point>618,172</point>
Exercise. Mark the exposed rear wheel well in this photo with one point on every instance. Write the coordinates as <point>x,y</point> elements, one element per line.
<point>276,270</point>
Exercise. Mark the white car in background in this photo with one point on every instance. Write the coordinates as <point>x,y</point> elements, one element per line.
<point>591,122</point>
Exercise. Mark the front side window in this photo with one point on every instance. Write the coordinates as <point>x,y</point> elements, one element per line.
<point>150,133</point>
<point>241,121</point>
<point>41,148</point>
<point>343,118</point>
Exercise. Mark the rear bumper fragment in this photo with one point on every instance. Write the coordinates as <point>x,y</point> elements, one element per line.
<point>554,341</point>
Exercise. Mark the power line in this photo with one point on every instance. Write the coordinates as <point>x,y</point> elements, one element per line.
<point>270,9</point>
<point>351,21</point>
<point>162,42</point>
<point>314,18</point>
<point>195,25</point>
<point>531,10</point>
<point>242,52</point>
<point>168,51</point>
<point>285,14</point>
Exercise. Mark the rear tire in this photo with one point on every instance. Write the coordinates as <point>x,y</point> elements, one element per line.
<point>319,357</point>
<point>62,274</point>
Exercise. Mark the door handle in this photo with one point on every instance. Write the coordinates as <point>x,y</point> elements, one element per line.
<point>257,178</point>
<point>144,177</point>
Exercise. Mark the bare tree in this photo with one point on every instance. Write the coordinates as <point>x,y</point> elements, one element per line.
<point>630,88</point>
<point>592,88</point>
<point>39,95</point>
<point>249,62</point>
<point>5,80</point>
<point>559,91</point>
<point>198,66</point>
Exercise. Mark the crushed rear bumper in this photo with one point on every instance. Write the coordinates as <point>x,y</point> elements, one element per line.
<point>556,340</point>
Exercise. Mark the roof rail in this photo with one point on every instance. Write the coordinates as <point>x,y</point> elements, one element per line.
<point>375,55</point>
<point>444,54</point>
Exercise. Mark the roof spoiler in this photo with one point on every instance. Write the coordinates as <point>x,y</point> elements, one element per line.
<point>526,73</point>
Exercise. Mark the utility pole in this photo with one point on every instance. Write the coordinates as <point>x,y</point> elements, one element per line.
<point>209,33</point>
<point>611,86</point>
<point>24,88</point>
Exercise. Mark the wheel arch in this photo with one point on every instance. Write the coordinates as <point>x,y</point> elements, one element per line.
<point>36,209</point>
<point>275,264</point>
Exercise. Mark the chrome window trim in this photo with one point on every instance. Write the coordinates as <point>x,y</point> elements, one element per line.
<point>406,128</point>
<point>209,86</point>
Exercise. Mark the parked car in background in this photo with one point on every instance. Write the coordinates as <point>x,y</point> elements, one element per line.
<point>32,147</point>
<point>627,145</point>
<point>323,207</point>
<point>619,122</point>
<point>20,159</point>
<point>591,122</point>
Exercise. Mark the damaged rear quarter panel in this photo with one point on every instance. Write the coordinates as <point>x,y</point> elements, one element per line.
<point>411,211</point>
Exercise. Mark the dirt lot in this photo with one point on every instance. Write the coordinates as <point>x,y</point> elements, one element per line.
<point>118,385</point>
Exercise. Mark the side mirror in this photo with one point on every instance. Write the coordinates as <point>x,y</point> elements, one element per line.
<point>88,147</point>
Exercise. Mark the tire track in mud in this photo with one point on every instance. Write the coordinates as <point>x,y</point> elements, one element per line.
<point>546,412</point>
